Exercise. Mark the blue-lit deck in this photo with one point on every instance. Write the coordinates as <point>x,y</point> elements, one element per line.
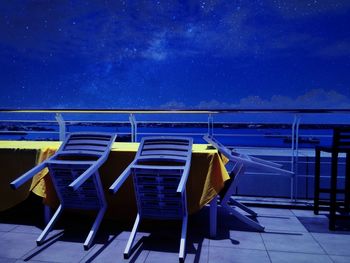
<point>290,236</point>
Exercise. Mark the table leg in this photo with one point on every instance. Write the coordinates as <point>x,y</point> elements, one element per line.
<point>317,181</point>
<point>47,214</point>
<point>347,184</point>
<point>333,194</point>
<point>213,217</point>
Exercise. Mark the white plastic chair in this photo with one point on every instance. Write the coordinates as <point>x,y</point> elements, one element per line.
<point>236,167</point>
<point>74,173</point>
<point>160,171</point>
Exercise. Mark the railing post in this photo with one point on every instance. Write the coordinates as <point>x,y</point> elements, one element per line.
<point>62,126</point>
<point>295,155</point>
<point>135,130</point>
<point>292,159</point>
<point>133,127</point>
<point>210,124</point>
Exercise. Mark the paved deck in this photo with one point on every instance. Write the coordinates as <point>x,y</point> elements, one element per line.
<point>290,236</point>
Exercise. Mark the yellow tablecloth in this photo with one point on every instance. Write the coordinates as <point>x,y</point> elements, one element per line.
<point>206,179</point>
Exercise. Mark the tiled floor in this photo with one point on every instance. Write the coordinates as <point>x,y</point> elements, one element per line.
<point>290,236</point>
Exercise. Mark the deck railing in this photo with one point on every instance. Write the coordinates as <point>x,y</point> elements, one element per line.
<point>293,131</point>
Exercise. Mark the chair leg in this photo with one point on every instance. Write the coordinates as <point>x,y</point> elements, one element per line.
<point>213,217</point>
<point>94,229</point>
<point>183,239</point>
<point>41,238</point>
<point>132,237</point>
<point>243,207</point>
<point>254,225</point>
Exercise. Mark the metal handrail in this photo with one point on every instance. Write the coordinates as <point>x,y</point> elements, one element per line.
<point>171,111</point>
<point>136,126</point>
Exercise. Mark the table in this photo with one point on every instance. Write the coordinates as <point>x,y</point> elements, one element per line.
<point>333,190</point>
<point>206,178</point>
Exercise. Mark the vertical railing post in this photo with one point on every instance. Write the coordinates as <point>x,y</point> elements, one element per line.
<point>295,155</point>
<point>133,127</point>
<point>292,159</point>
<point>62,126</point>
<point>210,124</point>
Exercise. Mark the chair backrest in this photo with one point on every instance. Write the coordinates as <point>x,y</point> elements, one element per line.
<point>90,144</point>
<point>160,164</point>
<point>79,146</point>
<point>178,149</point>
<point>246,160</point>
<point>341,138</point>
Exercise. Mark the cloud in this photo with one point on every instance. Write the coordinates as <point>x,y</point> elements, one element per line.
<point>211,104</point>
<point>324,99</point>
<point>173,104</point>
<point>335,50</point>
<point>312,99</point>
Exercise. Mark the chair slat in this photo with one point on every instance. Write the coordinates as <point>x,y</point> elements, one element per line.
<point>179,147</point>
<point>88,142</point>
<point>164,152</point>
<point>85,147</point>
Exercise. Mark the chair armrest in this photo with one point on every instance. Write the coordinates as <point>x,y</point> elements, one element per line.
<point>182,184</point>
<point>83,177</point>
<point>27,176</point>
<point>121,179</point>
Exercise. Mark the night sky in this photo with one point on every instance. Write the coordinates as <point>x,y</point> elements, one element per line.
<point>175,54</point>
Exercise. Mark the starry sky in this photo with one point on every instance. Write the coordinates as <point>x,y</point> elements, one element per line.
<point>175,54</point>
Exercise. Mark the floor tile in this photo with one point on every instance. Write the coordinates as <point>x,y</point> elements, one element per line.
<point>224,254</point>
<point>307,213</point>
<point>315,224</point>
<point>7,227</point>
<point>288,257</point>
<point>196,250</point>
<point>61,251</point>
<point>29,229</point>
<point>15,245</point>
<point>262,211</point>
<point>240,239</point>
<point>161,257</point>
<point>7,260</point>
<point>334,244</point>
<point>32,261</point>
<point>112,252</point>
<point>124,235</point>
<point>282,224</point>
<point>340,259</point>
<point>297,242</point>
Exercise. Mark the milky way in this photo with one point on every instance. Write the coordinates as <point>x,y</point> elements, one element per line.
<point>175,54</point>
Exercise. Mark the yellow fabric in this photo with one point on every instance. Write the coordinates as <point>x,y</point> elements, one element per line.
<point>33,145</point>
<point>41,184</point>
<point>14,163</point>
<point>206,179</point>
<point>117,146</point>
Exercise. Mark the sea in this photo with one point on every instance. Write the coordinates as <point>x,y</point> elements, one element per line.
<point>231,134</point>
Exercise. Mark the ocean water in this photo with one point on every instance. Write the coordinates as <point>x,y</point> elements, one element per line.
<point>230,134</point>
